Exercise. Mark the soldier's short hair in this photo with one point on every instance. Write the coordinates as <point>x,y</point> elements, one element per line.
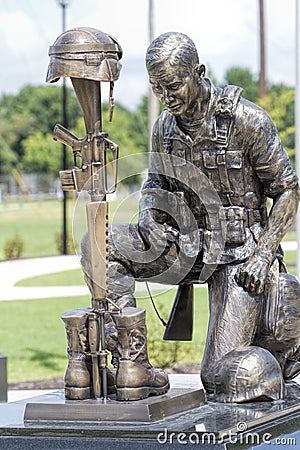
<point>171,48</point>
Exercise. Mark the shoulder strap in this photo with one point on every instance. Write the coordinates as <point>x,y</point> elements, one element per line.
<point>225,110</point>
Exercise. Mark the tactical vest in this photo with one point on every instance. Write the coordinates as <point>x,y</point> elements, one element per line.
<point>225,167</point>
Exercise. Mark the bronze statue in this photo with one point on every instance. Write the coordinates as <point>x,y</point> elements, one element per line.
<point>215,158</point>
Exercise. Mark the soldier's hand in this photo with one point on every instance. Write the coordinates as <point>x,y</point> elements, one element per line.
<point>156,235</point>
<point>253,274</point>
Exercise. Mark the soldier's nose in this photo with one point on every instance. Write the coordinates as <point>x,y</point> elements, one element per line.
<point>168,99</point>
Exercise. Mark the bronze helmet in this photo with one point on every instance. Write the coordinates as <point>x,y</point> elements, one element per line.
<point>248,373</point>
<point>84,53</point>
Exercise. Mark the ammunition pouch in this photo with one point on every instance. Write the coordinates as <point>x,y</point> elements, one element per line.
<point>233,222</point>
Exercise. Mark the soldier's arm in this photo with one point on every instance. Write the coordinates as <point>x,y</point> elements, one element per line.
<point>279,182</point>
<point>154,199</point>
<point>253,274</point>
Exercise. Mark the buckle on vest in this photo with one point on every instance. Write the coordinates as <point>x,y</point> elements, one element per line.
<point>221,159</point>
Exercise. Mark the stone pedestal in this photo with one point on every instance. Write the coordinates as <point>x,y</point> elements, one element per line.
<point>32,424</point>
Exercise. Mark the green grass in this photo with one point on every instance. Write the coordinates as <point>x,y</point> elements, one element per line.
<point>32,334</point>
<point>66,278</point>
<point>38,224</point>
<point>33,338</point>
<point>35,223</point>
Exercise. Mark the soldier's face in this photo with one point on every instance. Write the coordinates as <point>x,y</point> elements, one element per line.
<point>177,88</point>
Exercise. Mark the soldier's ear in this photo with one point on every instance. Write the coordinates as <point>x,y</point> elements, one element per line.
<point>200,69</point>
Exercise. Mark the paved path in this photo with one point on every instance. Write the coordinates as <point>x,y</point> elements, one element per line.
<point>13,271</point>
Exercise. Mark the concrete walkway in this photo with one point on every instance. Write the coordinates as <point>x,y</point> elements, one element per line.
<point>14,270</point>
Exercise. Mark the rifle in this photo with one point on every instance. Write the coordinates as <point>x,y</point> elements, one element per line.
<point>180,323</point>
<point>90,174</point>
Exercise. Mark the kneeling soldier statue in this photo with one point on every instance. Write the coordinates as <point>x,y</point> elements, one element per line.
<point>215,159</point>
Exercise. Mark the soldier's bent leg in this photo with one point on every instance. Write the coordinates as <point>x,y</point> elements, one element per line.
<point>126,333</point>
<point>229,351</point>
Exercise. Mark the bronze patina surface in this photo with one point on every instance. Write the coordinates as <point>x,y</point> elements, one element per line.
<point>215,160</point>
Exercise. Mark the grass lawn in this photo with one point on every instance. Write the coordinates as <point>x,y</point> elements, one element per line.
<point>32,335</point>
<point>39,224</point>
<point>66,278</point>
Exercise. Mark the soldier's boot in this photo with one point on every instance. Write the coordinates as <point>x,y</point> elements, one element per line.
<point>78,381</point>
<point>136,378</point>
<point>78,374</point>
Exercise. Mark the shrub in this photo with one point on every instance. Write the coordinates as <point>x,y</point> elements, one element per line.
<point>14,247</point>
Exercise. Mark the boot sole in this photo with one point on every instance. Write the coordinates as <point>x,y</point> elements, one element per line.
<point>72,393</point>
<point>128,394</point>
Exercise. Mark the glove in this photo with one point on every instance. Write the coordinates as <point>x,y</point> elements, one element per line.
<point>156,235</point>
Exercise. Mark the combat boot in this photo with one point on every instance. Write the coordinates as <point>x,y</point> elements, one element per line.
<point>78,374</point>
<point>136,378</point>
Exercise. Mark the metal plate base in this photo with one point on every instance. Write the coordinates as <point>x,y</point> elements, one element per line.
<point>57,409</point>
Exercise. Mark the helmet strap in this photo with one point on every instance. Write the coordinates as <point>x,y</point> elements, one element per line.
<point>111,101</point>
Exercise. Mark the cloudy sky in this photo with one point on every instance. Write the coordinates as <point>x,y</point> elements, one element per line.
<point>225,32</point>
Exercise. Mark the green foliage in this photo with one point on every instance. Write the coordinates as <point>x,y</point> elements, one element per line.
<point>243,77</point>
<point>280,104</point>
<point>7,157</point>
<point>33,110</point>
<point>28,118</point>
<point>41,154</point>
<point>14,247</point>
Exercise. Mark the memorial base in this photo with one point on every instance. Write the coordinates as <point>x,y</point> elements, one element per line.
<point>213,425</point>
<point>57,409</point>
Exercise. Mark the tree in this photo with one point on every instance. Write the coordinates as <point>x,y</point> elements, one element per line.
<point>41,154</point>
<point>33,109</point>
<point>243,77</point>
<point>280,104</point>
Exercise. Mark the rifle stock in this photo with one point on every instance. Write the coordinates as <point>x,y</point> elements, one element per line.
<point>180,323</point>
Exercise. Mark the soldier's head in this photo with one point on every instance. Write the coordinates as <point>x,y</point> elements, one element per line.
<point>174,72</point>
